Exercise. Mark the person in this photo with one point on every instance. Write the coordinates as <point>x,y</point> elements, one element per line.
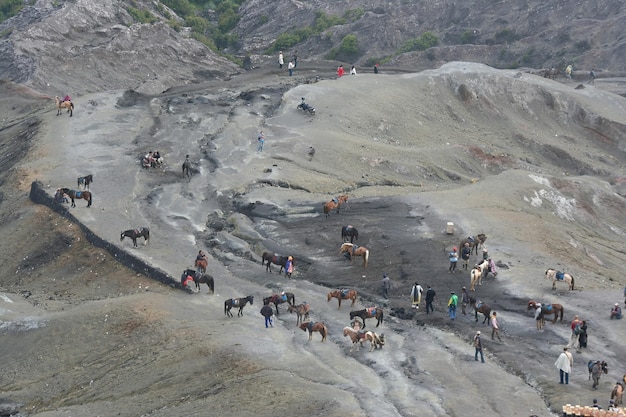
<point>564,364</point>
<point>616,312</point>
<point>596,373</point>
<point>281,59</point>
<point>596,405</point>
<point>538,316</point>
<point>267,312</point>
<point>340,71</point>
<point>592,77</point>
<point>157,157</point>
<point>478,346</point>
<point>261,141</point>
<point>67,98</point>
<point>148,159</point>
<point>353,70</point>
<point>61,197</point>
<point>454,257</point>
<point>416,295</point>
<point>466,251</point>
<point>201,256</point>
<point>495,330</point>
<point>612,406</point>
<point>452,302</point>
<point>430,297</point>
<point>375,68</point>
<point>582,337</point>
<point>290,67</point>
<point>464,300</point>
<point>485,254</point>
<point>574,336</point>
<point>295,58</point>
<point>289,266</point>
<point>386,285</point>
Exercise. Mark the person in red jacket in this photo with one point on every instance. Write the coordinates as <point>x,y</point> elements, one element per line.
<point>340,71</point>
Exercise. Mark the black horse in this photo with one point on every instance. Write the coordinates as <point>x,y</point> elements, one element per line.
<point>85,181</point>
<point>237,302</point>
<point>474,242</point>
<point>368,313</point>
<point>199,278</point>
<point>279,299</point>
<point>135,233</point>
<point>73,194</point>
<point>275,259</point>
<point>349,231</point>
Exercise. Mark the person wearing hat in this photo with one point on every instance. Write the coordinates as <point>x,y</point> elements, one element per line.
<point>464,300</point>
<point>478,346</point>
<point>454,258</point>
<point>612,406</point>
<point>596,405</point>
<point>452,303</point>
<point>386,285</point>
<point>466,251</point>
<point>616,312</point>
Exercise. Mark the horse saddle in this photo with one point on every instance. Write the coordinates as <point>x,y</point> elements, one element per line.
<point>283,297</point>
<point>137,231</point>
<point>548,307</point>
<point>479,304</point>
<point>234,302</point>
<point>78,194</point>
<point>560,275</point>
<point>335,200</point>
<point>344,292</point>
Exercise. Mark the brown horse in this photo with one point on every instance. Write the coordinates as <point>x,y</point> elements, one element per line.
<point>548,309</point>
<point>335,203</point>
<point>617,393</point>
<point>202,264</point>
<point>357,338</point>
<point>73,194</point>
<point>315,327</point>
<point>480,307</point>
<point>478,240</point>
<point>64,105</point>
<point>558,276</point>
<point>136,233</point>
<point>272,258</point>
<point>353,250</point>
<point>237,302</point>
<point>368,313</point>
<point>344,294</point>
<point>276,299</point>
<point>302,311</point>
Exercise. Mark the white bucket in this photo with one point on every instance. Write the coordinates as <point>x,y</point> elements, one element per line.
<point>450,228</point>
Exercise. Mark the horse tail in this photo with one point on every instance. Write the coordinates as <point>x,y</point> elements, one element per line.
<point>366,257</point>
<point>147,235</point>
<point>562,312</point>
<point>90,200</point>
<point>326,209</point>
<point>572,280</point>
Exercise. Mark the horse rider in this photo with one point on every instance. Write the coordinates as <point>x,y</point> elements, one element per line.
<point>67,98</point>
<point>157,157</point>
<point>201,256</point>
<point>616,312</point>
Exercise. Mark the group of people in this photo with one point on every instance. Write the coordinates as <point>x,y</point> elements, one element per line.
<point>152,159</point>
<point>291,65</point>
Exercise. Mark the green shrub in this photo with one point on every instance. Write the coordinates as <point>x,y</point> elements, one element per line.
<point>349,45</point>
<point>175,24</point>
<point>353,15</point>
<point>141,15</point>
<point>506,36</point>
<point>228,20</point>
<point>9,8</point>
<point>370,62</point>
<point>181,7</point>
<point>197,24</point>
<point>468,37</point>
<point>206,41</point>
<point>324,21</point>
<point>425,41</point>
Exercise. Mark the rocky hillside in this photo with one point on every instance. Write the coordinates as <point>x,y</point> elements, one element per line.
<point>99,45</point>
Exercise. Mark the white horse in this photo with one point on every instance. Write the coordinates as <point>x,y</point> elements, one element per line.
<point>558,276</point>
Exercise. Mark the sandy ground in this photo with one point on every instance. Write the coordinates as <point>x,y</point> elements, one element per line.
<point>414,152</point>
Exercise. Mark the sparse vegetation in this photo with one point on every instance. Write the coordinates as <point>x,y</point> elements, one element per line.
<point>353,15</point>
<point>469,36</point>
<point>141,15</point>
<point>9,8</point>
<point>421,43</point>
<point>582,46</point>
<point>506,36</point>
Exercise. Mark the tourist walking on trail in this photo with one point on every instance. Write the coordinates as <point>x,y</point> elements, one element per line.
<point>290,67</point>
<point>281,60</point>
<point>386,285</point>
<point>452,303</point>
<point>478,347</point>
<point>261,141</point>
<point>454,258</point>
<point>495,330</point>
<point>430,297</point>
<point>564,364</point>
<point>267,312</point>
<point>464,300</point>
<point>416,295</point>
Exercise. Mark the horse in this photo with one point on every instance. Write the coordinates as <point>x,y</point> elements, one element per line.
<point>358,338</point>
<point>474,243</point>
<point>275,259</point>
<point>546,310</point>
<point>237,302</point>
<point>84,195</point>
<point>85,181</point>
<point>618,391</point>
<point>135,233</point>
<point>603,364</point>
<point>344,294</point>
<point>353,250</point>
<point>202,264</point>
<point>368,313</point>
<point>315,327</point>
<point>64,105</point>
<point>551,73</point>
<point>301,310</point>
<point>476,277</point>
<point>558,276</point>
<point>202,278</point>
<point>480,307</point>
<point>349,231</point>
<point>335,203</point>
<point>276,299</point>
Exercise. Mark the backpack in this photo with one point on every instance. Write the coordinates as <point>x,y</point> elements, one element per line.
<point>577,330</point>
